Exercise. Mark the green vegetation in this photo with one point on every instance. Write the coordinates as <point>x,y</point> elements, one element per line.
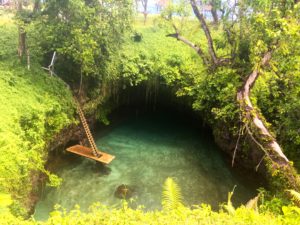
<point>198,215</point>
<point>179,69</point>
<point>213,93</point>
<point>241,72</point>
<point>173,213</point>
<point>34,107</point>
<point>217,76</point>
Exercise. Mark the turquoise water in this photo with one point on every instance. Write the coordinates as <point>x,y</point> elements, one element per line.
<point>149,149</point>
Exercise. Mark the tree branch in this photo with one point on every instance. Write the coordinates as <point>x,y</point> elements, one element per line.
<point>214,12</point>
<point>206,30</point>
<point>252,115</point>
<point>241,129</point>
<point>192,45</point>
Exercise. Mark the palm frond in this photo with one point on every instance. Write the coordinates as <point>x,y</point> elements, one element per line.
<point>295,196</point>
<point>172,198</point>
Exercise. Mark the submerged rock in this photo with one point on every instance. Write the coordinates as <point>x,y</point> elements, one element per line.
<point>124,191</point>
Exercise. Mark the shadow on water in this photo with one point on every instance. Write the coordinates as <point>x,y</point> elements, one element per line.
<point>148,149</point>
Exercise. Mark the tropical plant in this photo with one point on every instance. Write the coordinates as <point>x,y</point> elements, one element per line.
<point>295,196</point>
<point>85,34</point>
<point>171,196</point>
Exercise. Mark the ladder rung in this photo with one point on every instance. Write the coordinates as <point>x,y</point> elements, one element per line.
<point>87,131</point>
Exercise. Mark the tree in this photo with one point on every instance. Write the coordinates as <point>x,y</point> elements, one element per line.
<point>22,32</point>
<point>214,7</point>
<point>145,7</point>
<point>24,17</point>
<point>268,25</point>
<point>161,4</point>
<point>85,34</point>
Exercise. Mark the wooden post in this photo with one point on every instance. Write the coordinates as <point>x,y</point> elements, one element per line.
<point>28,59</point>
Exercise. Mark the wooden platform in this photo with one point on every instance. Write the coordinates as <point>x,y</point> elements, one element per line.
<point>87,152</point>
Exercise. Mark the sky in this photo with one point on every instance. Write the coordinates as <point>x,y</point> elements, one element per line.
<point>151,7</point>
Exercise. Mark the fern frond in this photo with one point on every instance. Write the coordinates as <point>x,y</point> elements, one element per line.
<point>172,198</point>
<point>295,196</point>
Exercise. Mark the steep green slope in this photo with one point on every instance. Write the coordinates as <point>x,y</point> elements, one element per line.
<point>34,107</point>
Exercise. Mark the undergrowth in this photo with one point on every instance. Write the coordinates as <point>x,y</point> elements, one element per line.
<point>34,107</point>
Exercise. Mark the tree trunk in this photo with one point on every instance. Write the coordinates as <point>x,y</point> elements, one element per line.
<point>276,162</point>
<point>22,43</point>
<point>215,15</point>
<point>36,6</point>
<point>136,6</point>
<point>22,33</point>
<point>145,6</point>
<point>214,12</point>
<point>28,59</point>
<point>145,16</point>
<point>19,5</point>
<point>206,30</point>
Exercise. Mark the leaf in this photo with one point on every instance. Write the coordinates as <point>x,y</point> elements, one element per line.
<point>172,198</point>
<point>295,196</point>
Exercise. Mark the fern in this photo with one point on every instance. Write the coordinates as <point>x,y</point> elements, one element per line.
<point>295,196</point>
<point>172,198</point>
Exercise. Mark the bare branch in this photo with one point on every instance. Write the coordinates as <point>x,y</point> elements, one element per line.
<point>206,30</point>
<point>256,141</point>
<point>256,168</point>
<point>243,97</point>
<point>238,141</point>
<point>192,45</point>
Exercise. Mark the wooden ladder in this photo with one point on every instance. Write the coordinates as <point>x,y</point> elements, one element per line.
<point>88,133</point>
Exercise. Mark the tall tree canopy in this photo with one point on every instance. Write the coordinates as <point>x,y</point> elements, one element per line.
<point>84,33</point>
